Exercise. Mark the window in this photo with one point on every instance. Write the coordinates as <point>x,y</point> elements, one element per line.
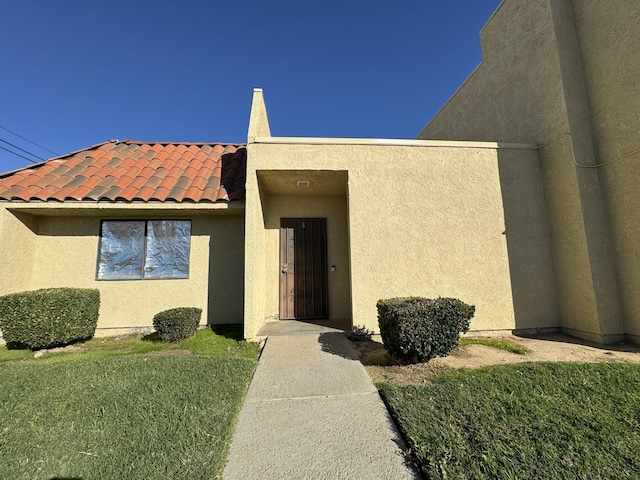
<point>138,249</point>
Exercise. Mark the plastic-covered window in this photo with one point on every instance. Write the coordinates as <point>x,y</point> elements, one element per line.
<point>144,249</point>
<point>167,249</point>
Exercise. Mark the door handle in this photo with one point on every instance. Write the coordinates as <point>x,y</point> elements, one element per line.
<point>284,268</point>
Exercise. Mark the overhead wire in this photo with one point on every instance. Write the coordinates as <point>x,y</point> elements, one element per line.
<point>17,154</point>
<point>26,139</point>
<point>23,150</point>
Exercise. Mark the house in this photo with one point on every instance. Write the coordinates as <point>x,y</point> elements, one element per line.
<point>145,223</point>
<point>325,229</point>
<point>518,198</point>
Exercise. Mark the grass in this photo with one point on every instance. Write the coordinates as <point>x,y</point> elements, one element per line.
<point>8,355</point>
<point>528,421</point>
<point>125,409</point>
<point>221,341</point>
<point>489,342</point>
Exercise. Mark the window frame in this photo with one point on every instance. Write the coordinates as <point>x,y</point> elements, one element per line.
<point>144,248</point>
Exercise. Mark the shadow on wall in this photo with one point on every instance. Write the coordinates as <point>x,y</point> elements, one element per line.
<point>226,268</point>
<point>60,226</point>
<point>528,244</point>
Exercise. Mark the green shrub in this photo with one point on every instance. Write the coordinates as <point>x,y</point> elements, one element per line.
<point>49,317</point>
<point>419,329</point>
<point>177,323</point>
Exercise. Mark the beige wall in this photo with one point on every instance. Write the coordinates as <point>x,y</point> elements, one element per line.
<point>17,251</point>
<point>535,85</point>
<point>59,250</point>
<point>516,93</point>
<point>609,37</point>
<point>527,233</point>
<point>423,221</point>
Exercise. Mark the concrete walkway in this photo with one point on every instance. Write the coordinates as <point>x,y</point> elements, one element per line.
<point>313,412</point>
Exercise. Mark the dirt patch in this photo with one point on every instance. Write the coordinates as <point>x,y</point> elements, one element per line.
<point>170,352</point>
<point>67,349</point>
<point>556,347</point>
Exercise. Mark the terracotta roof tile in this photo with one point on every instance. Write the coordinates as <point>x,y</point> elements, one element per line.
<point>147,172</point>
<point>138,183</point>
<point>160,193</point>
<point>193,193</point>
<point>145,193</point>
<point>200,182</point>
<point>168,182</point>
<point>14,191</point>
<point>129,170</point>
<point>123,182</point>
<point>92,181</point>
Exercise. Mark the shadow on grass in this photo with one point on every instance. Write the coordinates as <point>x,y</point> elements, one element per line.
<point>623,346</point>
<point>16,346</point>
<point>151,337</point>
<point>22,346</point>
<point>232,332</point>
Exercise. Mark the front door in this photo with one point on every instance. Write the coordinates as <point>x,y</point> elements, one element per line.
<point>303,269</point>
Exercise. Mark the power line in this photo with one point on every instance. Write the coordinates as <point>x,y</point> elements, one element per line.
<point>24,138</point>
<point>17,154</point>
<point>23,150</point>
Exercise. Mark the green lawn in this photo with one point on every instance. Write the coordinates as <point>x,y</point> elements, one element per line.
<point>104,414</point>
<point>528,421</point>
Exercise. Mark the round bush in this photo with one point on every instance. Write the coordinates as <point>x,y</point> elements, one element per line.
<point>419,329</point>
<point>177,323</point>
<point>50,316</point>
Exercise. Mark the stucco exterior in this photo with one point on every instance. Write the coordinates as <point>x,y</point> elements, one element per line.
<point>405,218</point>
<point>519,197</point>
<point>564,75</point>
<point>51,245</point>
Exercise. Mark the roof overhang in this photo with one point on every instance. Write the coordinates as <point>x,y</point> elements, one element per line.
<point>124,209</point>
<point>303,182</point>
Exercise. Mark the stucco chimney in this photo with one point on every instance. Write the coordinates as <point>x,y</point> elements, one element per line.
<point>258,121</point>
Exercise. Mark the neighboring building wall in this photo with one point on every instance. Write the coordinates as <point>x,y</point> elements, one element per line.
<point>531,87</point>
<point>64,252</point>
<point>423,221</point>
<point>609,38</point>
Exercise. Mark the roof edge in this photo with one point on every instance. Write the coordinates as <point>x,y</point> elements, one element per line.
<point>392,142</point>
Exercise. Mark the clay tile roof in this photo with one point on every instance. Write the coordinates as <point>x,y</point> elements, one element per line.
<point>134,171</point>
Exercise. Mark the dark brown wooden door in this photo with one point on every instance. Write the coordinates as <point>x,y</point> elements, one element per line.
<point>303,269</point>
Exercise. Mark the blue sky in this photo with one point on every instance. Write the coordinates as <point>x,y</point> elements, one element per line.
<point>76,73</point>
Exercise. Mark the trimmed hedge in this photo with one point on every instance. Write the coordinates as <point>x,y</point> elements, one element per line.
<point>419,329</point>
<point>177,323</point>
<point>49,317</point>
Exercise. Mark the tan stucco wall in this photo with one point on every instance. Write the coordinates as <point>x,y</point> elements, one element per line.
<point>424,221</point>
<point>609,37</point>
<point>64,253</point>
<point>17,249</point>
<point>527,233</point>
<point>532,87</point>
